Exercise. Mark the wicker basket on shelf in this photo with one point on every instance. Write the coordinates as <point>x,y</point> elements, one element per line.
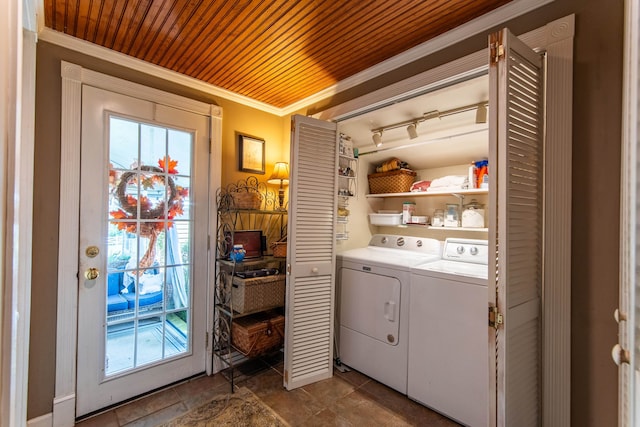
<point>396,181</point>
<point>258,334</point>
<point>258,293</point>
<point>279,249</point>
<point>246,200</point>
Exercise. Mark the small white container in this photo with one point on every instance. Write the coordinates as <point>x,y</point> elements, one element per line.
<point>385,219</point>
<point>419,219</point>
<point>408,209</point>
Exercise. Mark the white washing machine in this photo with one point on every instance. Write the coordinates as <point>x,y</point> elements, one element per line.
<point>373,305</point>
<point>448,336</point>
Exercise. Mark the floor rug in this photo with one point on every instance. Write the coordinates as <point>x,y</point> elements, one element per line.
<point>240,409</point>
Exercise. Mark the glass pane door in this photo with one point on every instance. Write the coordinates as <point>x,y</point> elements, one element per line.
<point>148,313</point>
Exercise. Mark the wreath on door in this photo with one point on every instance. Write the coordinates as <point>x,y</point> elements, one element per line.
<point>140,214</point>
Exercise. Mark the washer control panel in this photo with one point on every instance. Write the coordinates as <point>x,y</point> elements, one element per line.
<point>422,245</point>
<point>466,250</point>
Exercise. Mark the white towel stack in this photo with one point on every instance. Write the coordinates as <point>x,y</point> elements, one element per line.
<point>449,183</point>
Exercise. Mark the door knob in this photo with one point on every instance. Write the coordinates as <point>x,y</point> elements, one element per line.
<point>620,355</point>
<point>92,273</point>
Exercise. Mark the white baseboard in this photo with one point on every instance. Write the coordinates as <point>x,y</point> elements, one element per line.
<point>64,411</point>
<point>45,420</point>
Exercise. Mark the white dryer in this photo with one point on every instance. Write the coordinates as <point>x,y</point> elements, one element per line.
<point>373,305</point>
<point>448,333</point>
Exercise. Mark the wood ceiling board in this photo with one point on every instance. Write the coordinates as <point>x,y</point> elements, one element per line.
<point>274,51</point>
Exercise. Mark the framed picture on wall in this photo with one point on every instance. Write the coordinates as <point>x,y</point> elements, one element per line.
<point>251,154</point>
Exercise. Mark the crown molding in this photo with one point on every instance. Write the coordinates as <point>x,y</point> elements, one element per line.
<point>482,23</point>
<point>96,51</point>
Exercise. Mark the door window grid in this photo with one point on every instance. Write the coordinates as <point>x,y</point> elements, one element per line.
<point>149,245</point>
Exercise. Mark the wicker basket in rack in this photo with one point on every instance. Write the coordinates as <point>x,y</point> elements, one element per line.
<point>279,249</point>
<point>258,334</point>
<point>397,181</point>
<point>246,200</point>
<point>258,293</point>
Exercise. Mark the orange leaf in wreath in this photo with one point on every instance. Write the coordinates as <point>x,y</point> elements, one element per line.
<point>144,203</point>
<point>182,192</point>
<point>148,183</point>
<point>119,214</point>
<point>170,163</point>
<point>175,210</point>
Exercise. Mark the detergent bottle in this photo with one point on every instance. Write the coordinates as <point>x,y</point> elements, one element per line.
<point>482,174</point>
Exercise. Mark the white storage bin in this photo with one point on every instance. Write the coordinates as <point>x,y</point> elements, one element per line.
<point>385,218</point>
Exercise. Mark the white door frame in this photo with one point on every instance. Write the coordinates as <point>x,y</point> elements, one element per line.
<point>625,353</point>
<point>556,39</point>
<point>73,77</point>
<point>17,94</point>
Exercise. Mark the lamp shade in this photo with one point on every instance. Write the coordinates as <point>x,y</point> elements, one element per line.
<point>280,174</point>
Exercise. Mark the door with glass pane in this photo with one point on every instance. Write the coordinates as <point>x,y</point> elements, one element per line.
<point>143,252</point>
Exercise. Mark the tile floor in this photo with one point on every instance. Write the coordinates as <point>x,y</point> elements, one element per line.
<point>347,399</point>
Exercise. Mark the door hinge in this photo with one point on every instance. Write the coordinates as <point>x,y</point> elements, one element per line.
<point>495,317</point>
<point>206,340</point>
<point>497,51</point>
<point>208,243</point>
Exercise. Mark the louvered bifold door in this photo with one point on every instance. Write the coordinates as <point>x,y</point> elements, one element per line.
<point>515,171</point>
<point>311,252</point>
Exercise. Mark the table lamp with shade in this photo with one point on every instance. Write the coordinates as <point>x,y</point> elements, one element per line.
<point>280,175</point>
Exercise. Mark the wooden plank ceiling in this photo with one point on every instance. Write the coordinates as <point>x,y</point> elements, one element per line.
<point>274,51</point>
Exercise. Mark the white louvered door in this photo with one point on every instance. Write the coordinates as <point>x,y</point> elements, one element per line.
<point>516,165</point>
<point>311,252</point>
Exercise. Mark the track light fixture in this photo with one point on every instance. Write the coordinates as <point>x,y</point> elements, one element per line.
<point>412,131</point>
<point>481,114</point>
<point>411,125</point>
<point>377,138</point>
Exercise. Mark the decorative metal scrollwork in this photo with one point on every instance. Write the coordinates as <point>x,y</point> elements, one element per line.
<point>230,198</point>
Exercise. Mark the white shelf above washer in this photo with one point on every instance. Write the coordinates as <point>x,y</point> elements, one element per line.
<point>447,229</point>
<point>474,191</point>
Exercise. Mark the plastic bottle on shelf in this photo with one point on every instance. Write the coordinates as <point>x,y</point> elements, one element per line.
<point>482,174</point>
<point>472,176</point>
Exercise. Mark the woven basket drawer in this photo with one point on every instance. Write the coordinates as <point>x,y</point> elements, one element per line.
<point>397,181</point>
<point>258,293</point>
<point>258,334</point>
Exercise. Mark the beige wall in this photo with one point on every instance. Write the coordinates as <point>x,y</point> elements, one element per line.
<point>595,202</point>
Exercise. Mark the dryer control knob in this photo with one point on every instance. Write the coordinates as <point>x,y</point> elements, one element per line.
<point>460,249</point>
<point>473,250</point>
<point>400,241</point>
<point>384,240</point>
